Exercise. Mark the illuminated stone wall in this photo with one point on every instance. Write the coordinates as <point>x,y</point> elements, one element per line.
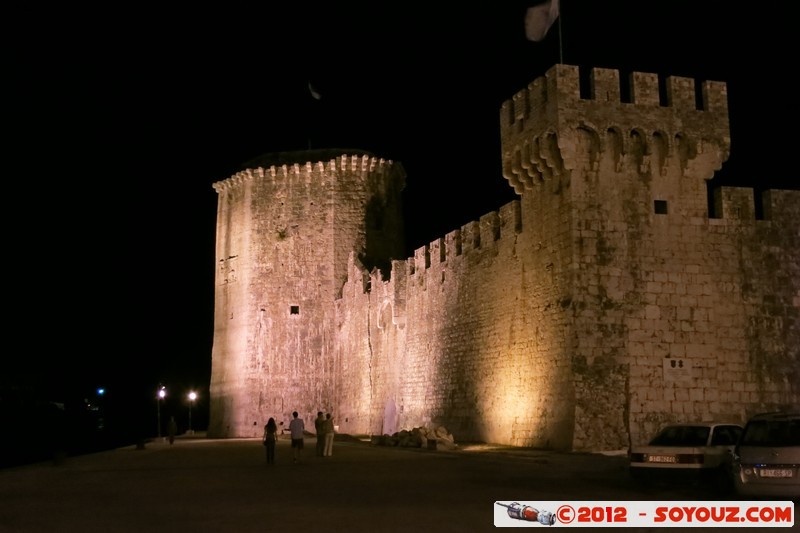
<point>284,233</point>
<point>603,303</point>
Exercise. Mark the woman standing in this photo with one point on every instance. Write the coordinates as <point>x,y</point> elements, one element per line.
<point>270,438</point>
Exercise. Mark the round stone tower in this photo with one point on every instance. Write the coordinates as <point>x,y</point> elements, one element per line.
<point>286,226</point>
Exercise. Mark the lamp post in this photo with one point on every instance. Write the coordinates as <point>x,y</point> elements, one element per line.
<point>192,398</point>
<point>162,391</point>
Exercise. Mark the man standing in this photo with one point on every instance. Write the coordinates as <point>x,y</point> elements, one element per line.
<point>297,429</point>
<point>173,429</point>
<point>319,427</point>
<point>328,425</point>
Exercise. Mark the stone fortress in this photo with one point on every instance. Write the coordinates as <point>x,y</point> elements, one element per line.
<point>612,297</point>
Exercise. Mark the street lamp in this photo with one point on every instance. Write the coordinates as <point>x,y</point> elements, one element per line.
<point>162,391</point>
<point>192,398</point>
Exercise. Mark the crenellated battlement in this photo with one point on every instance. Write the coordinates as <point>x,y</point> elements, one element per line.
<point>739,204</point>
<point>549,129</point>
<point>309,169</point>
<point>560,88</point>
<point>473,236</point>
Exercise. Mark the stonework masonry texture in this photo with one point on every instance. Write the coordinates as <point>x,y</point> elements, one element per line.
<point>606,301</point>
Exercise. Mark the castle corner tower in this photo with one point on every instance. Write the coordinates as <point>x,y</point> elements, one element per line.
<point>286,226</point>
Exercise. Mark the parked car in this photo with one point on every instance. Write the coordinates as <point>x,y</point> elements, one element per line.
<point>700,451</point>
<point>766,461</point>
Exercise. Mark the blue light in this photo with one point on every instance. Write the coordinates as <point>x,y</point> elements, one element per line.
<point>101,391</point>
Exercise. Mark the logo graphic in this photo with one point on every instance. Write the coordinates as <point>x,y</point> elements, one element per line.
<point>528,513</point>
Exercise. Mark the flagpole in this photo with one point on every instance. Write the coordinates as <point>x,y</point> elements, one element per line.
<point>315,96</point>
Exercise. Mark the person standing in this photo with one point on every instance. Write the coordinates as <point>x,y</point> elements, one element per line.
<point>328,425</point>
<point>173,429</point>
<point>297,429</point>
<point>319,427</point>
<point>270,438</point>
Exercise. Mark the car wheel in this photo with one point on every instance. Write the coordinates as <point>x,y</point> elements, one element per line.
<point>642,479</point>
<point>722,480</point>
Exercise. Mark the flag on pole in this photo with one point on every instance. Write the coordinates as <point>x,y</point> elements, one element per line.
<point>314,94</point>
<point>539,18</point>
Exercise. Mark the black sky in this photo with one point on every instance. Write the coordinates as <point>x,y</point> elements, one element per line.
<point>119,126</point>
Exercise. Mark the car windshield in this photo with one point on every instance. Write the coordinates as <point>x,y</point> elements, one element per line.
<point>772,433</point>
<point>689,436</point>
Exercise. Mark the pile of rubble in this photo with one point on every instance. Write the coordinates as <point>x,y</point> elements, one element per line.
<point>436,438</point>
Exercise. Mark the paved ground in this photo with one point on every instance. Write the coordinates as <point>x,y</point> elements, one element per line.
<point>200,485</point>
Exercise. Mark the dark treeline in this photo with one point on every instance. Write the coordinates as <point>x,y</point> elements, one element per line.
<point>36,427</point>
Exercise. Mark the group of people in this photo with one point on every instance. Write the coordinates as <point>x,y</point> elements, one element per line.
<point>323,426</point>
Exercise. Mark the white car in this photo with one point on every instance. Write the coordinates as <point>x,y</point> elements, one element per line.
<point>702,450</point>
<point>767,457</point>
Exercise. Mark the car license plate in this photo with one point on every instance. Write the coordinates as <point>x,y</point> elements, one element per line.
<point>776,472</point>
<point>661,459</point>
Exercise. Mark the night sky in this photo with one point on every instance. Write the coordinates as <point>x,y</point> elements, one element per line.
<point>119,122</point>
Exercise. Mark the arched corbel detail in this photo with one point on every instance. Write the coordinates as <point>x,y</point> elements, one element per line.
<point>589,148</point>
<point>615,147</point>
<point>659,150</point>
<point>538,157</point>
<point>686,148</point>
<point>554,156</point>
<point>707,161</point>
<point>638,151</point>
<point>531,175</point>
<point>516,167</point>
<point>508,173</point>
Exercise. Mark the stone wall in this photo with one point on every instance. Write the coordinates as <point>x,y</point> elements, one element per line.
<point>466,334</point>
<point>500,344</point>
<point>602,304</point>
